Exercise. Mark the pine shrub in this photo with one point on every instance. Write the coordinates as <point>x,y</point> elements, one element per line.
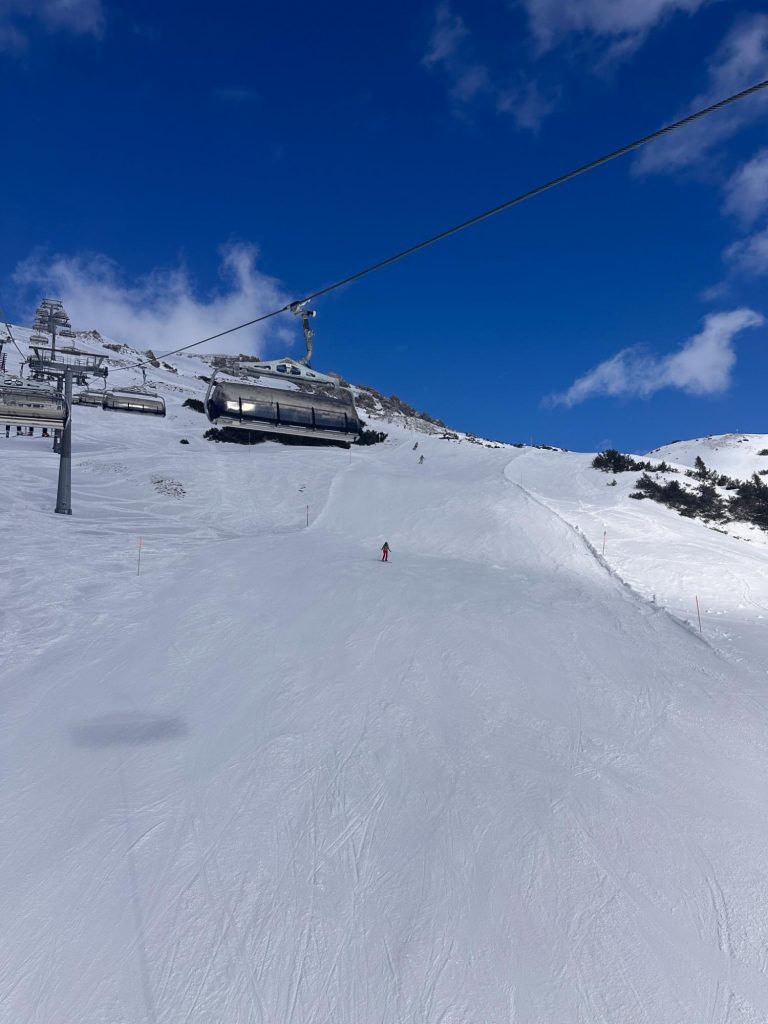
<point>613,461</point>
<point>368,437</point>
<point>704,501</point>
<point>750,503</point>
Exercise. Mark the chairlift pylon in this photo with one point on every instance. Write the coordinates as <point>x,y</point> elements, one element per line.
<point>306,404</point>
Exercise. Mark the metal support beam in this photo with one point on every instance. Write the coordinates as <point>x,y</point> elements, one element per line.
<point>57,433</point>
<point>64,492</point>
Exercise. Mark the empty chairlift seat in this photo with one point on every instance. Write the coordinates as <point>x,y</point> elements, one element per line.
<point>307,406</point>
<point>329,416</point>
<point>126,401</point>
<point>32,405</point>
<point>89,398</point>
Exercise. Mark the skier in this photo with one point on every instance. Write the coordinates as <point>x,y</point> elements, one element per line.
<point>421,459</point>
<point>416,446</point>
<point>385,552</point>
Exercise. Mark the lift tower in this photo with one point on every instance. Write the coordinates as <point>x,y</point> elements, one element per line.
<point>50,318</point>
<point>66,366</point>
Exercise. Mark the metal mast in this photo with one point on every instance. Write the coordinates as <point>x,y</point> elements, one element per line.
<point>299,308</point>
<point>49,317</point>
<point>68,366</point>
<point>64,487</point>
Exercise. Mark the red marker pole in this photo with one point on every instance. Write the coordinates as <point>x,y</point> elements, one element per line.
<point>138,564</point>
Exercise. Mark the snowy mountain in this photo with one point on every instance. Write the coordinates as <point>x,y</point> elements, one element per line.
<point>502,778</point>
<point>736,455</point>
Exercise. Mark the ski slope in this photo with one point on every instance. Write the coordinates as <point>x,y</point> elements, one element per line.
<point>665,558</point>
<point>273,780</point>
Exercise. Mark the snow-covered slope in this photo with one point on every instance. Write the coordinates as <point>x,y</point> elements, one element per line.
<point>271,779</point>
<point>736,455</point>
<point>669,560</point>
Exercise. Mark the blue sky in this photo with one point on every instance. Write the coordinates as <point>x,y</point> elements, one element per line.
<point>171,171</point>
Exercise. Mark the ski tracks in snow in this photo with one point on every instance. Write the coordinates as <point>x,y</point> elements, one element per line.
<point>485,784</point>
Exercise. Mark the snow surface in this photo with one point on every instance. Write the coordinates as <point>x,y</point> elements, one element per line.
<point>664,557</point>
<point>271,779</point>
<point>736,455</point>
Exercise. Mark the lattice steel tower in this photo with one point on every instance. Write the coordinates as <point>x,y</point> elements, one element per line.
<point>50,317</point>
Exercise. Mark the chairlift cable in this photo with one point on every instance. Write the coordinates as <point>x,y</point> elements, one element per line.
<point>10,332</point>
<point>515,201</point>
<point>523,197</point>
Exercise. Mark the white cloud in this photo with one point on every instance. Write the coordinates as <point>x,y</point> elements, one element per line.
<point>527,105</point>
<point>740,61</point>
<point>79,17</point>
<point>162,310</point>
<point>619,26</point>
<point>702,366</point>
<point>470,80</point>
<point>448,32</point>
<point>467,78</point>
<point>746,192</point>
<point>625,22</point>
<point>749,255</point>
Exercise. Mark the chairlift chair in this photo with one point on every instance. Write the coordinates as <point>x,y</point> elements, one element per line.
<point>306,403</point>
<point>95,398</point>
<point>134,401</point>
<point>31,405</point>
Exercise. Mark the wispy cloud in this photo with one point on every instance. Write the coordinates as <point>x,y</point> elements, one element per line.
<point>470,80</point>
<point>615,29</point>
<point>163,309</point>
<point>740,61</point>
<point>449,54</point>
<point>527,104</point>
<point>702,366</point>
<point>447,33</point>
<point>626,23</point>
<point>749,255</point>
<point>746,192</point>
<point>78,17</point>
